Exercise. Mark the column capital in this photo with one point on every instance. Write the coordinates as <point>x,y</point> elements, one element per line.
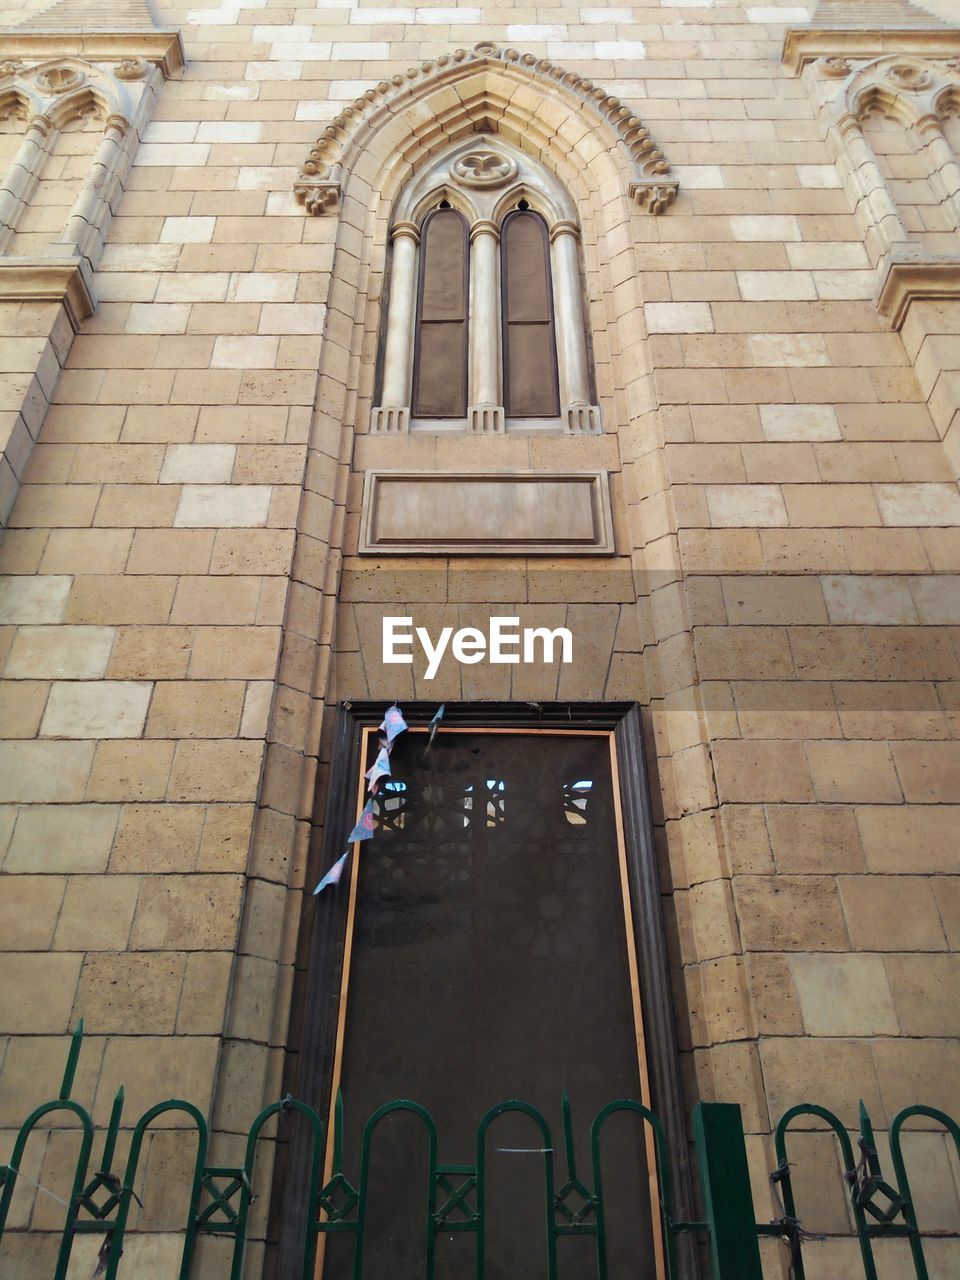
<point>485,227</point>
<point>40,123</point>
<point>116,124</point>
<point>409,229</point>
<point>564,228</point>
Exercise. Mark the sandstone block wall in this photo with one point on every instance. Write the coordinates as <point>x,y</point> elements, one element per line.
<point>184,603</point>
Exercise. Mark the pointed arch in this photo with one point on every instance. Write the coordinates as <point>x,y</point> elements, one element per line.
<point>528,100</point>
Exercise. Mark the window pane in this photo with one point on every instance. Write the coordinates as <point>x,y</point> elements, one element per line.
<point>529,345</point>
<point>444,295</point>
<point>441,390</point>
<point>528,268</point>
<point>440,360</point>
<point>532,386</point>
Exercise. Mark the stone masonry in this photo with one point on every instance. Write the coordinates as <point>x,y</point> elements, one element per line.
<point>188,373</point>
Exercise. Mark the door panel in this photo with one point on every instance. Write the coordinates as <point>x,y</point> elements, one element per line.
<point>488,957</point>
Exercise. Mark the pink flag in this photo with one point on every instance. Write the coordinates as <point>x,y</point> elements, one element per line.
<point>334,874</point>
<point>393,723</point>
<point>364,828</point>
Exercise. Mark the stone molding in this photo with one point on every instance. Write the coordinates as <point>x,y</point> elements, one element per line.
<point>908,280</point>
<point>163,49</point>
<point>319,185</point>
<point>504,513</point>
<point>809,44</point>
<point>65,280</point>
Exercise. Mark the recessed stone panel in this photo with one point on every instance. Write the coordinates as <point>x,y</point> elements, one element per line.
<point>476,513</point>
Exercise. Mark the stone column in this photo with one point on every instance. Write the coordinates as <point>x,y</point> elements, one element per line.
<point>393,413</point>
<point>870,188</point>
<point>85,225</point>
<point>579,414</point>
<point>23,176</point>
<point>944,168</point>
<point>486,413</point>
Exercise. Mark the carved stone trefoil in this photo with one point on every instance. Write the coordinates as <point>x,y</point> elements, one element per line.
<point>485,168</point>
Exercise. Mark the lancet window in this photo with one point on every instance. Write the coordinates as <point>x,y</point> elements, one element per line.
<point>485,321</point>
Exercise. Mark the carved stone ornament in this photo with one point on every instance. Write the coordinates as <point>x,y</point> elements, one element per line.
<point>905,75</point>
<point>485,169</point>
<point>835,68</point>
<point>59,80</point>
<point>131,69</point>
<point>10,67</point>
<point>320,181</point>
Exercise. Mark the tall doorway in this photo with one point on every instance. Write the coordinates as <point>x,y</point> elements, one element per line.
<point>487,950</point>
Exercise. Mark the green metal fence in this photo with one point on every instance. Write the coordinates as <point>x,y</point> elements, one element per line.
<point>573,1204</point>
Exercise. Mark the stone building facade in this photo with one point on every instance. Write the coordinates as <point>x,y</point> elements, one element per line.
<point>215,485</point>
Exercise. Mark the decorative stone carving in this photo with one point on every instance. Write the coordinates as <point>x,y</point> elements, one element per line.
<point>10,67</point>
<point>485,169</point>
<point>162,49</point>
<point>321,197</point>
<point>907,75</point>
<point>851,93</point>
<point>319,183</point>
<point>806,45</point>
<point>131,69</point>
<point>835,68</point>
<point>653,197</point>
<point>57,80</point>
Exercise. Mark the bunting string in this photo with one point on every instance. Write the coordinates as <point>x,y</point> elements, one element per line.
<point>391,726</point>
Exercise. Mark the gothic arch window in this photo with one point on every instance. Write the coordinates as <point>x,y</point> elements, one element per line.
<point>485,321</point>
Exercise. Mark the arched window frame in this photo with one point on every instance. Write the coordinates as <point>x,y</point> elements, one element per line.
<point>485,198</point>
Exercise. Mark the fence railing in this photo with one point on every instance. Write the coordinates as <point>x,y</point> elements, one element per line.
<point>573,1202</point>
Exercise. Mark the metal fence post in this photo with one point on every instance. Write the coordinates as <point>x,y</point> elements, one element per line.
<point>725,1184</point>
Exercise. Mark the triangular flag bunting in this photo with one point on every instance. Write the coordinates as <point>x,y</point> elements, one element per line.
<point>393,723</point>
<point>364,828</point>
<point>379,769</point>
<point>334,874</point>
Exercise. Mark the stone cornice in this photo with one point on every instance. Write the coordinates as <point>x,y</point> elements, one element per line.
<point>49,280</point>
<point>908,280</point>
<point>162,48</point>
<point>319,184</point>
<point>807,44</point>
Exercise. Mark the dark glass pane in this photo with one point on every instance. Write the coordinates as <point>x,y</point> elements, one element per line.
<point>441,385</point>
<point>529,345</point>
<point>528,268</point>
<point>444,257</point>
<point>440,358</point>
<point>489,962</point>
<point>532,384</point>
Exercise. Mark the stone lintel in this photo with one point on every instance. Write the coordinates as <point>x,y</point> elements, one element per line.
<point>518,513</point>
<point>807,44</point>
<point>63,280</point>
<point>163,48</point>
<point>907,281</point>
